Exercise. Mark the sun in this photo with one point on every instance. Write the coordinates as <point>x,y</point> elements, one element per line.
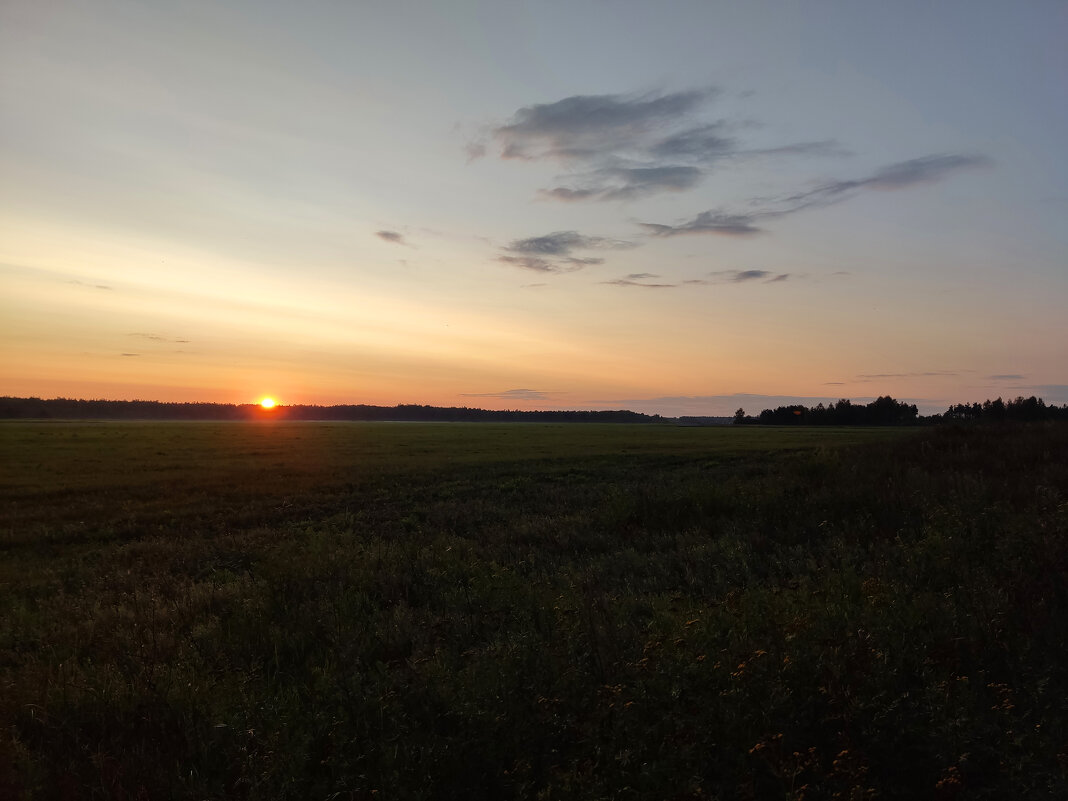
<point>267,403</point>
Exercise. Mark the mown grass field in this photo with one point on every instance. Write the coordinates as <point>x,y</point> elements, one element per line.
<point>406,611</point>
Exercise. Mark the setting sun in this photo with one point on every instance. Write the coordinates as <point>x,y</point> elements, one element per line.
<point>267,403</point>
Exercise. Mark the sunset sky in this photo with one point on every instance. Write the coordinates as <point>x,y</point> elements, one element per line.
<point>679,207</point>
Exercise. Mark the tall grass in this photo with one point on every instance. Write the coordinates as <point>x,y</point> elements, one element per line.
<point>593,613</point>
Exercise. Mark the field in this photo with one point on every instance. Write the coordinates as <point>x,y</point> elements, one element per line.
<point>416,611</point>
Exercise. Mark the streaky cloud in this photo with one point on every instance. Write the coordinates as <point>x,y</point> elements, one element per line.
<point>511,394</point>
<point>628,183</point>
<point>709,222</point>
<point>638,283</point>
<point>902,175</point>
<point>561,243</point>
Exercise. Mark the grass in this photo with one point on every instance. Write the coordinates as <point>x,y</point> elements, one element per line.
<point>266,611</point>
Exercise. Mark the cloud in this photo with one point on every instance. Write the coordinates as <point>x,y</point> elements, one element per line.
<point>927,374</point>
<point>90,286</point>
<point>130,354</point>
<point>565,265</point>
<point>718,277</point>
<point>1007,377</point>
<point>709,222</point>
<point>559,243</point>
<point>742,277</point>
<point>156,337</point>
<point>824,147</point>
<point>901,175</point>
<point>552,253</point>
<point>923,170</point>
<point>586,126</point>
<point>631,146</point>
<point>511,394</point>
<point>627,183</point>
<point>394,237</point>
<point>641,280</point>
<point>702,144</point>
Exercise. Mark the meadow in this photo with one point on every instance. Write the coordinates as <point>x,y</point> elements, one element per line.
<point>458,611</point>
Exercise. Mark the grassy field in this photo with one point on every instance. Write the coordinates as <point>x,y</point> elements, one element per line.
<point>405,611</point>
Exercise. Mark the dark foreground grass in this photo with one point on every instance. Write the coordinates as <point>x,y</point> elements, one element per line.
<point>362,611</point>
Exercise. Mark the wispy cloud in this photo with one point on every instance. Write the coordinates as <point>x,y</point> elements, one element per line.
<point>627,183</point>
<point>156,337</point>
<point>747,276</point>
<point>713,278</point>
<point>588,126</point>
<point>710,222</point>
<point>566,264</point>
<point>511,394</point>
<point>630,146</point>
<point>645,280</point>
<point>926,374</point>
<point>554,253</point>
<point>90,286</point>
<point>1007,377</point>
<point>903,175</point>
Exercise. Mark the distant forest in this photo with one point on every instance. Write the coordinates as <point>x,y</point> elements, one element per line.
<point>72,409</point>
<point>884,411</point>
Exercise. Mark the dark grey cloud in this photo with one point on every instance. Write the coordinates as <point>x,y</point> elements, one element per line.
<point>634,145</point>
<point>738,276</point>
<point>553,253</point>
<point>586,126</point>
<point>561,243</point>
<point>1007,377</point>
<point>394,237</point>
<point>745,276</point>
<point>511,394</point>
<point>902,175</point>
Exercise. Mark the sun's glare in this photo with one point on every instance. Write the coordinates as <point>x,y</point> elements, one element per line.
<point>267,403</point>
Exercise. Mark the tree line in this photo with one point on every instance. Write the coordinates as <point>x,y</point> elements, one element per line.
<point>78,409</point>
<point>886,411</point>
<point>883,411</point>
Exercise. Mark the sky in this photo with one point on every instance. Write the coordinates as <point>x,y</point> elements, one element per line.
<point>676,208</point>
